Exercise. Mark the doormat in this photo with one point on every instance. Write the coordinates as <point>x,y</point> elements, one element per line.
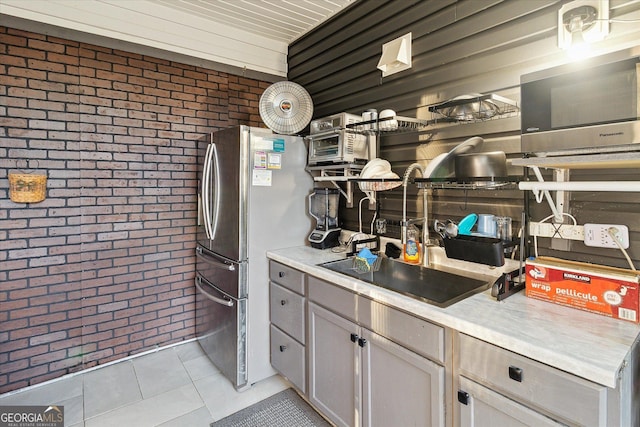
<point>284,409</point>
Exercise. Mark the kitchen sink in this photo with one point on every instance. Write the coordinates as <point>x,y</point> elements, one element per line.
<point>431,285</point>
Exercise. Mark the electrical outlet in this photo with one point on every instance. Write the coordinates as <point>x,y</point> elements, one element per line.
<point>597,235</point>
<point>559,231</point>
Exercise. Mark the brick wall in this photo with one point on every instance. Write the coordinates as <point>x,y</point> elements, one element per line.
<point>104,267</point>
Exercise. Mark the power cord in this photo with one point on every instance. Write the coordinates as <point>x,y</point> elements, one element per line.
<point>345,245</point>
<point>612,231</point>
<point>360,215</point>
<point>535,238</point>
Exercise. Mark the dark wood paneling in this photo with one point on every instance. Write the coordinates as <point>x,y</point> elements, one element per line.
<point>459,47</point>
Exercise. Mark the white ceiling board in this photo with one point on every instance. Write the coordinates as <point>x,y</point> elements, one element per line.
<point>283,20</point>
<point>249,34</point>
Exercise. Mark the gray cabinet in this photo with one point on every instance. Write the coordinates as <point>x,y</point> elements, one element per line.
<point>362,362</point>
<point>333,361</point>
<point>499,387</point>
<point>399,387</point>
<point>357,377</point>
<point>287,307</point>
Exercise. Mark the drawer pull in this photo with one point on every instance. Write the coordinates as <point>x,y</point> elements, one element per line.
<point>515,373</point>
<point>354,337</point>
<point>362,342</point>
<point>281,274</point>
<point>283,348</point>
<point>283,302</point>
<point>463,397</point>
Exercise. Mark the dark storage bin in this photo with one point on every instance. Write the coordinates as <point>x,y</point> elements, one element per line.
<point>483,250</point>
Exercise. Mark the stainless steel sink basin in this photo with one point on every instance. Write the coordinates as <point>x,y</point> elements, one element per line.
<point>431,285</point>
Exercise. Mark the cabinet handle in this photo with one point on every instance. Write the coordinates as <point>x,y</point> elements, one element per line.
<point>515,373</point>
<point>283,348</point>
<point>354,337</point>
<point>362,342</point>
<point>280,273</point>
<point>463,397</point>
<point>283,301</point>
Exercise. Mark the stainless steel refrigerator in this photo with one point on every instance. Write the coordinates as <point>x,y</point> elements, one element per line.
<point>252,197</point>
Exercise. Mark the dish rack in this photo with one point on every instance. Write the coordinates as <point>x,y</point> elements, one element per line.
<point>475,108</point>
<point>370,186</point>
<point>378,184</point>
<point>384,125</point>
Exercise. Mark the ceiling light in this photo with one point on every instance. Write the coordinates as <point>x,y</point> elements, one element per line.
<point>396,55</point>
<point>582,22</point>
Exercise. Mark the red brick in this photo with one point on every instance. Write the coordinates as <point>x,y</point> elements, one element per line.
<point>17,335</point>
<point>146,114</point>
<point>47,319</point>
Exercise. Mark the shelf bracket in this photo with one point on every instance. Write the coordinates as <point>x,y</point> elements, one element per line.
<point>348,173</point>
<point>556,208</point>
<point>348,194</point>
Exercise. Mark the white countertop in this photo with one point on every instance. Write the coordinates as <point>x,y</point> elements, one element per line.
<point>588,345</point>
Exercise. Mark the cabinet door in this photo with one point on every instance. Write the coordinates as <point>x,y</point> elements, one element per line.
<point>333,379</point>
<point>400,388</point>
<point>479,406</point>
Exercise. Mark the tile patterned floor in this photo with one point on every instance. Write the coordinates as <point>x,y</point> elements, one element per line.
<point>173,387</point>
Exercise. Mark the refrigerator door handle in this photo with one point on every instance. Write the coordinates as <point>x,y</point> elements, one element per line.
<point>206,182</point>
<point>214,163</point>
<point>224,301</point>
<point>212,261</point>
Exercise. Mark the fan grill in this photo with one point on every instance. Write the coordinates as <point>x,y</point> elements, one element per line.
<point>286,107</point>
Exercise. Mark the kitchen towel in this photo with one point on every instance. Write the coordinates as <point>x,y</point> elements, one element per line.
<point>284,409</point>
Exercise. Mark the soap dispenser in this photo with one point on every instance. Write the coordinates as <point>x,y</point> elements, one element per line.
<point>411,249</point>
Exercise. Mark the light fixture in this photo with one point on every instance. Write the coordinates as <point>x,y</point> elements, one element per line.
<point>582,22</point>
<point>396,55</point>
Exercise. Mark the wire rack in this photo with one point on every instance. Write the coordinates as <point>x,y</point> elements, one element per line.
<point>394,124</point>
<point>378,184</point>
<point>489,183</point>
<point>478,108</point>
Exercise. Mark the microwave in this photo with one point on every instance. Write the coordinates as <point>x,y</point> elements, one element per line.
<point>585,107</point>
<point>331,141</point>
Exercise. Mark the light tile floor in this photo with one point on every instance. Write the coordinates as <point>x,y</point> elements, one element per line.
<point>173,387</point>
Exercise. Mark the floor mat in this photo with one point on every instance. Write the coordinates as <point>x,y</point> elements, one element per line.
<point>284,409</point>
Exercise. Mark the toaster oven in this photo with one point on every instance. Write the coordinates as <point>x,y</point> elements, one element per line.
<point>331,141</point>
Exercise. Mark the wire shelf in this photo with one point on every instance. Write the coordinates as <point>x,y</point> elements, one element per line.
<point>488,183</point>
<point>468,109</point>
<point>394,124</point>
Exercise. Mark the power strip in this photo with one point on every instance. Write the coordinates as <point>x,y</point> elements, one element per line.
<point>560,231</point>
<point>597,235</point>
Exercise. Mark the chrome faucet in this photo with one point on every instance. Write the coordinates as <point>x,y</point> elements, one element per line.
<point>405,223</point>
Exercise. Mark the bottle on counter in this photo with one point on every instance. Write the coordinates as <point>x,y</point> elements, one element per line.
<point>411,249</point>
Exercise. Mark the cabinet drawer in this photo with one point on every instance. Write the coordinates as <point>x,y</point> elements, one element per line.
<point>411,332</point>
<point>287,311</point>
<point>286,276</point>
<point>479,406</point>
<point>539,386</point>
<point>335,298</point>
<point>288,358</point>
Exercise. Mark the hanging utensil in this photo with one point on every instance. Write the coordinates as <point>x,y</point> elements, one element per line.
<point>439,227</point>
<point>451,229</point>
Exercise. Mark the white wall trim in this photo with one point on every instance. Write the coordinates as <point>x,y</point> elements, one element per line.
<point>150,24</point>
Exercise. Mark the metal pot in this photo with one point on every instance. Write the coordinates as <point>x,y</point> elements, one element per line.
<point>481,165</point>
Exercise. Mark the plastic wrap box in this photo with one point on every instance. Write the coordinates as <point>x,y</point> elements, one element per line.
<point>483,250</point>
<point>609,291</point>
